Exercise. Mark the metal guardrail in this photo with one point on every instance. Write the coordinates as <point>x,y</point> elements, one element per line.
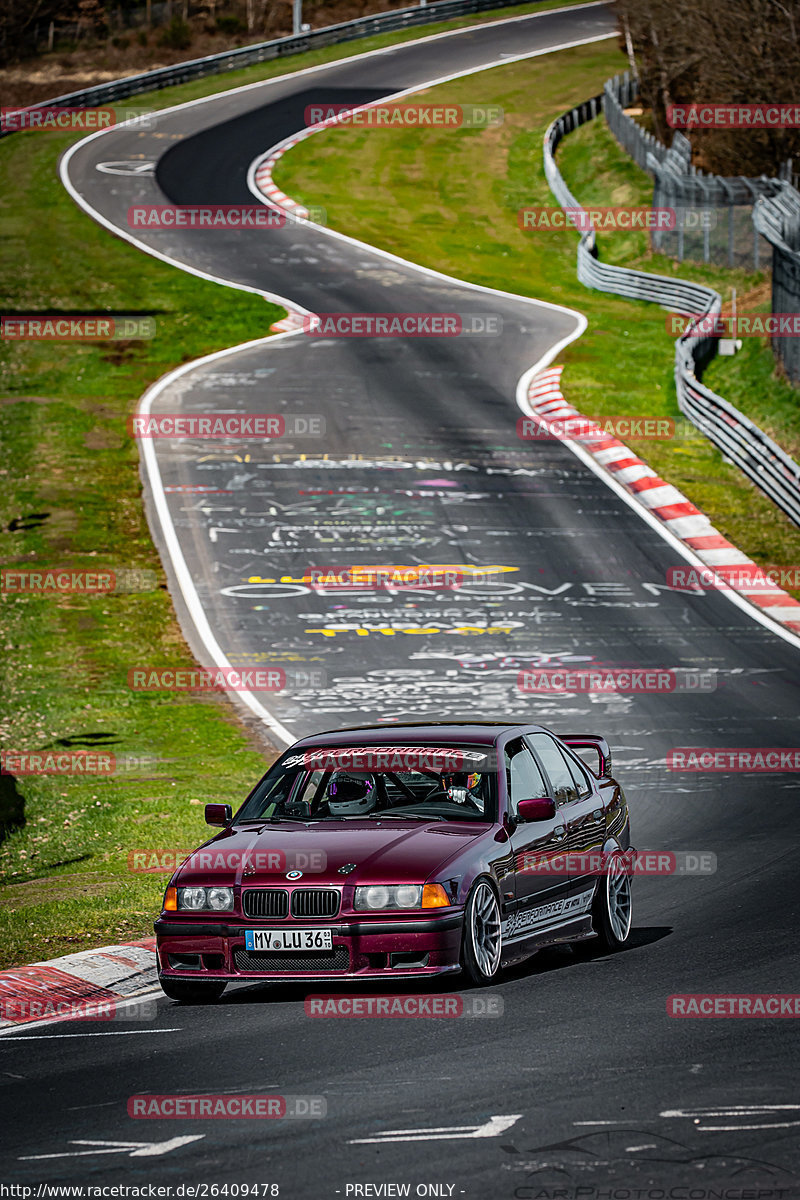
<point>778,220</point>
<point>742,442</point>
<point>246,56</point>
<point>620,93</point>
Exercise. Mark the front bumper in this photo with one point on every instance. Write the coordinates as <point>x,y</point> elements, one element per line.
<point>362,949</point>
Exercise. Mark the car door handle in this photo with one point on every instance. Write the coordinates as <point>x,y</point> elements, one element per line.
<point>559,831</point>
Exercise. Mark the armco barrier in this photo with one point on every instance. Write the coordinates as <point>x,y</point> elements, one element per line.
<point>758,456</point>
<point>777,218</point>
<point>246,56</point>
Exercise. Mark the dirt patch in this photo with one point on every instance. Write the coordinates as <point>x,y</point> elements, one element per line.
<point>29,400</point>
<point>51,888</point>
<point>98,439</point>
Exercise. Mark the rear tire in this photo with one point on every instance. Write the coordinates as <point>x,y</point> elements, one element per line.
<point>611,911</point>
<point>482,940</point>
<point>192,991</point>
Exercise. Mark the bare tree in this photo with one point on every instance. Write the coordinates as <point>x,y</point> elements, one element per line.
<point>708,51</point>
<point>19,20</point>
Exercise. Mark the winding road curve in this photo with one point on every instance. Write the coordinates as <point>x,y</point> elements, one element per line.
<point>420,463</point>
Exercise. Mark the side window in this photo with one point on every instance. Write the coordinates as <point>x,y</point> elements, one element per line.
<point>523,777</point>
<point>579,774</point>
<point>555,765</point>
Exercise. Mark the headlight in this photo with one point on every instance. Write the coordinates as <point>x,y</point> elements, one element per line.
<point>195,899</point>
<point>192,898</point>
<point>220,898</point>
<point>402,896</point>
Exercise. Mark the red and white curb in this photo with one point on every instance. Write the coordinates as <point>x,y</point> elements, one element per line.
<point>266,184</point>
<point>662,500</point>
<point>262,177</point>
<point>289,324</point>
<point>77,983</point>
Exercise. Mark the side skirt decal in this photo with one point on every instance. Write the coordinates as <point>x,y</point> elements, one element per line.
<point>532,920</point>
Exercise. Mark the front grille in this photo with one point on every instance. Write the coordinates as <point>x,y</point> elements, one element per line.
<point>315,902</point>
<point>265,902</point>
<point>337,959</point>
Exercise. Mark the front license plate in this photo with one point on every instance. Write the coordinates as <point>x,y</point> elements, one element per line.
<point>288,939</point>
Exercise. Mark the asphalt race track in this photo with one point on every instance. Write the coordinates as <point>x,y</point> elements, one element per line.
<point>583,1081</point>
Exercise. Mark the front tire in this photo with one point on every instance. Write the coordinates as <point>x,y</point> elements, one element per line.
<point>482,941</point>
<point>612,909</point>
<point>192,991</point>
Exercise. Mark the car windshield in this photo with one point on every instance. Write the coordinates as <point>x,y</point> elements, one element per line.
<point>340,783</point>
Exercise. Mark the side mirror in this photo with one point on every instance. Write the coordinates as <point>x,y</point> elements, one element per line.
<point>218,814</point>
<point>297,808</point>
<point>541,809</point>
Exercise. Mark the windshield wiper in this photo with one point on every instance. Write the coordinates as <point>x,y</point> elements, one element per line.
<point>406,816</point>
<point>276,819</point>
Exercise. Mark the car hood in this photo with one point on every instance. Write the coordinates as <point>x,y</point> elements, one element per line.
<point>391,852</point>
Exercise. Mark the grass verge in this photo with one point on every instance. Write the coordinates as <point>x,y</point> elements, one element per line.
<point>453,199</point>
<point>72,497</point>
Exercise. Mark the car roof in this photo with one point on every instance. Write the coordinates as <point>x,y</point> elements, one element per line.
<point>483,733</point>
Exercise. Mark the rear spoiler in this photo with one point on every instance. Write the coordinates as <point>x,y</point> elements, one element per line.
<point>590,741</point>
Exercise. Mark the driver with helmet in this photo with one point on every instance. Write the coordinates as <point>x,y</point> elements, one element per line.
<point>463,787</point>
<point>350,794</point>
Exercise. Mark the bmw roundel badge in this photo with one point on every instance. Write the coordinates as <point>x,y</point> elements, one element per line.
<point>294,874</point>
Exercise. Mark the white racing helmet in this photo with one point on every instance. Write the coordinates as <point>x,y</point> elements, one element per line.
<point>350,794</point>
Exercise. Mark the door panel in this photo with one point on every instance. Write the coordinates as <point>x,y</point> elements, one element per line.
<point>540,895</point>
<point>580,806</point>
